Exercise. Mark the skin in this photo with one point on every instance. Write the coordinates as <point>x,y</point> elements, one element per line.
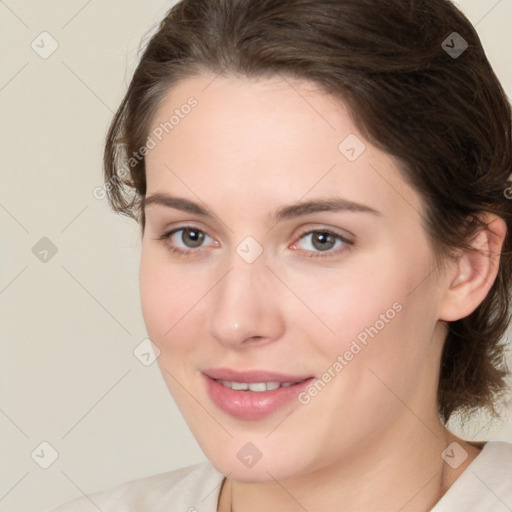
<point>372,438</point>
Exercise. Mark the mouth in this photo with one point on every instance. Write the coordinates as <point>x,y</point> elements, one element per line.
<point>252,395</point>
<point>257,387</point>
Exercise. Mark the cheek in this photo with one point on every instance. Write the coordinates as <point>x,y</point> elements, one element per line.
<point>377,316</point>
<point>153,297</point>
<point>349,301</point>
<point>165,296</point>
<point>386,352</point>
<point>165,300</point>
<point>174,306</point>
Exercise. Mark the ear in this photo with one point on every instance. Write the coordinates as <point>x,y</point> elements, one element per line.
<point>473,273</point>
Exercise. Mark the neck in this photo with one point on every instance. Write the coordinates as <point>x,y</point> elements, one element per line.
<point>404,472</point>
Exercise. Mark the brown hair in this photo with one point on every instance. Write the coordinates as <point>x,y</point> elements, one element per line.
<point>443,116</point>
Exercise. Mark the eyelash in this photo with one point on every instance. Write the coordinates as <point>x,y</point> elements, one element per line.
<point>313,254</point>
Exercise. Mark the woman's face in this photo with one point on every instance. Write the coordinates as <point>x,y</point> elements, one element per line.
<point>280,246</point>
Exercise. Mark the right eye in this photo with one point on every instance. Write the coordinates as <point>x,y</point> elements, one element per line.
<point>186,240</point>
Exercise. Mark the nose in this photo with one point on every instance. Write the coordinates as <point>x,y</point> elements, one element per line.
<point>244,306</point>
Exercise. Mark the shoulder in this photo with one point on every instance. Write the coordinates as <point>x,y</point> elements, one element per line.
<point>486,484</point>
<point>193,488</point>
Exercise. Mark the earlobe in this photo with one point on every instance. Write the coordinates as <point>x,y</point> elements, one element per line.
<point>474,271</point>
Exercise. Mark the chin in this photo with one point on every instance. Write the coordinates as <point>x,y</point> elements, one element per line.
<point>261,472</point>
<point>243,461</point>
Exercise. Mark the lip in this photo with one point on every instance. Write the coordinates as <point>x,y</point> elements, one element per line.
<point>252,375</point>
<point>251,405</point>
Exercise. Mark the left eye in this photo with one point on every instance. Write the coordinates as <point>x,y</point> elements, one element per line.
<point>323,241</point>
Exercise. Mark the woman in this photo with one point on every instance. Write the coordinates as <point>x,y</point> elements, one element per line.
<point>326,253</point>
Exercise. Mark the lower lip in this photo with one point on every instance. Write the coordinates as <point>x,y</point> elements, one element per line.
<point>252,405</point>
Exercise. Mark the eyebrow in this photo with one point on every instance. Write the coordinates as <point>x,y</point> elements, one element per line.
<point>330,204</point>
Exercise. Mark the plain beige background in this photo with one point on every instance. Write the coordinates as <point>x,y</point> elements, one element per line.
<point>71,322</point>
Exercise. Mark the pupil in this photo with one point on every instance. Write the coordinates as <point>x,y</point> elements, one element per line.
<point>195,238</point>
<point>323,241</point>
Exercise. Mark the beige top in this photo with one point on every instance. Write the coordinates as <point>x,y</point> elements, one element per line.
<point>485,486</point>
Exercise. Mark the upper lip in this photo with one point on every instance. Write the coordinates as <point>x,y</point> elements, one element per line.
<point>251,376</point>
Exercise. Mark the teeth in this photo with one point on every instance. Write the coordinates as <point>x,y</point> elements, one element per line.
<point>255,386</point>
<point>239,386</point>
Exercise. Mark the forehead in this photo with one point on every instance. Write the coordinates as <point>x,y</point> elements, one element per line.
<point>268,140</point>
<point>241,120</point>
